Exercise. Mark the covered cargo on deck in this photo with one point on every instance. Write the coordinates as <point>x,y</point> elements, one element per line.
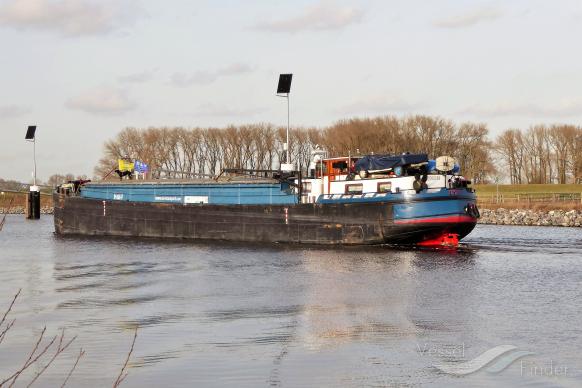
<point>386,162</point>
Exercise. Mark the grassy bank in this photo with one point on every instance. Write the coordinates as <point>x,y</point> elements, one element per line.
<point>536,197</point>
<point>527,189</point>
<point>19,200</point>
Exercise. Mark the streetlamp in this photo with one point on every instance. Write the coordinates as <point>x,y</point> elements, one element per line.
<point>283,89</point>
<point>33,203</point>
<point>30,136</point>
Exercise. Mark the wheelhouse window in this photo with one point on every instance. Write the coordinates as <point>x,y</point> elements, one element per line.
<point>306,187</point>
<point>320,170</point>
<point>354,189</point>
<point>384,187</point>
<point>341,165</point>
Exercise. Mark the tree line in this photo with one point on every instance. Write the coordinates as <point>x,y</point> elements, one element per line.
<point>540,154</point>
<point>182,152</point>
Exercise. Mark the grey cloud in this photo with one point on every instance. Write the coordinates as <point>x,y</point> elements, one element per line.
<point>234,69</point>
<point>469,18</point>
<point>566,108</point>
<point>102,101</point>
<point>213,110</point>
<point>380,104</point>
<point>136,78</point>
<point>68,17</point>
<point>323,16</point>
<point>198,78</point>
<point>207,77</point>
<point>10,111</point>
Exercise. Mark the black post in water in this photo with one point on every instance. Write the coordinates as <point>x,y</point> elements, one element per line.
<point>33,198</point>
<point>33,204</point>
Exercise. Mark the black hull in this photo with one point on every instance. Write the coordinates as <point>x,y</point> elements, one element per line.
<point>331,224</point>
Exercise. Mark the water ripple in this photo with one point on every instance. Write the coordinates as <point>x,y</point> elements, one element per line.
<point>82,303</point>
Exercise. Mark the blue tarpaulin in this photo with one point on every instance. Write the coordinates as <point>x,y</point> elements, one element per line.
<point>384,162</point>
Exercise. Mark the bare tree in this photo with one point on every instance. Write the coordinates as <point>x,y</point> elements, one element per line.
<point>540,154</point>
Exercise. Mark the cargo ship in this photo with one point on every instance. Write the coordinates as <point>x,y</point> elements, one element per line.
<point>402,199</point>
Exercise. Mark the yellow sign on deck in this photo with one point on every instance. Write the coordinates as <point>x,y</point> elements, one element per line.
<point>125,165</point>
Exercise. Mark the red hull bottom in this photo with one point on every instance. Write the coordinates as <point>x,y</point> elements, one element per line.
<point>450,240</point>
<point>430,234</point>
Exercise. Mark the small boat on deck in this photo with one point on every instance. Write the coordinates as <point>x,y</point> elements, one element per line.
<point>374,199</point>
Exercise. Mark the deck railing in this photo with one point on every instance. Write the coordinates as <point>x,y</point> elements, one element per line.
<point>350,196</point>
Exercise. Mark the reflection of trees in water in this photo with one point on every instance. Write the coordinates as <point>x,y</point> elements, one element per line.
<point>46,351</point>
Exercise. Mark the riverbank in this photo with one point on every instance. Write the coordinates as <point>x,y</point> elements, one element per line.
<point>541,198</point>
<point>501,216</point>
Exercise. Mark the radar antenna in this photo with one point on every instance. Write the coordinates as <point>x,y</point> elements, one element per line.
<point>445,163</point>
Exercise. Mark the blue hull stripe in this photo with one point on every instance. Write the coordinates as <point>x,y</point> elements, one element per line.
<point>430,209</point>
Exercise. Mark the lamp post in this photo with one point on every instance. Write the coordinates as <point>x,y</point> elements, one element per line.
<point>33,202</point>
<point>31,137</point>
<point>283,90</point>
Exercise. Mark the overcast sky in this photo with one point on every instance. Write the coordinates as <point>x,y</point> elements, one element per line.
<point>82,70</point>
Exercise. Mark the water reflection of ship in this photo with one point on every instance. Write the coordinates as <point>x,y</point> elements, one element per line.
<point>376,295</point>
<point>358,304</point>
<point>356,296</point>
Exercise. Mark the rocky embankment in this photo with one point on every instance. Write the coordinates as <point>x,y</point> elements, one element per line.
<point>531,217</point>
<point>20,210</point>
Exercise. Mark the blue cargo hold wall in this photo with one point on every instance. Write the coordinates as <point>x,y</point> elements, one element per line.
<point>190,193</point>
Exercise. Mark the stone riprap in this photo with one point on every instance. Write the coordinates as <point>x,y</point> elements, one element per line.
<point>531,217</point>
<point>20,210</point>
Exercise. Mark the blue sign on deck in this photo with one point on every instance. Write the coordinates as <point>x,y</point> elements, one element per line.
<point>141,167</point>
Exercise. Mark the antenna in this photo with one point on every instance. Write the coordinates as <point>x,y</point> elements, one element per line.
<point>283,89</point>
<point>445,163</point>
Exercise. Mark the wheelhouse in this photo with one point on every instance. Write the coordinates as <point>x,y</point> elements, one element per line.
<point>375,174</point>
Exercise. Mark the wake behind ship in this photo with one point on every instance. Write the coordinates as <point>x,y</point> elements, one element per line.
<point>403,199</point>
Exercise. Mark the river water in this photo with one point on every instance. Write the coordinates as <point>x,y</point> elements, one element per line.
<point>247,315</point>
